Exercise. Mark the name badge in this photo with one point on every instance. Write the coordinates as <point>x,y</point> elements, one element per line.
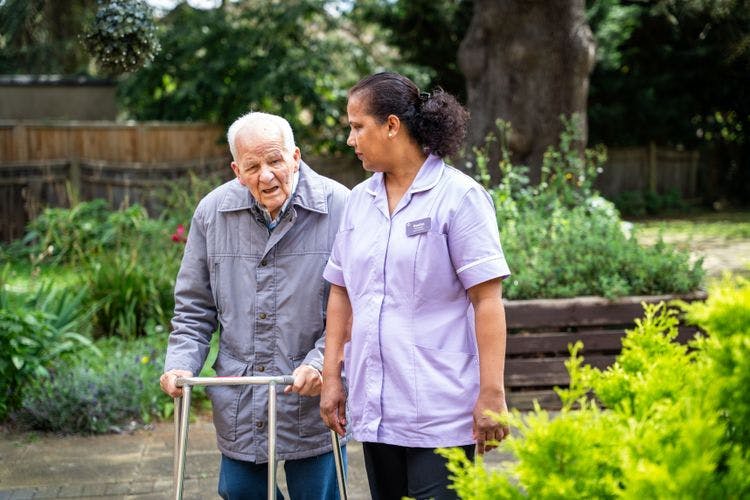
<point>418,226</point>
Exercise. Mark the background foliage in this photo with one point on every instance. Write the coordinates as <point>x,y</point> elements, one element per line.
<point>562,239</point>
<point>293,58</point>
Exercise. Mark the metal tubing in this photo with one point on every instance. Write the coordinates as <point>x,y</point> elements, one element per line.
<point>182,415</point>
<point>184,425</point>
<point>282,380</point>
<point>338,459</point>
<point>175,460</point>
<point>272,441</point>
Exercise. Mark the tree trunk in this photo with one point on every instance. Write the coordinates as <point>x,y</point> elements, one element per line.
<point>526,62</point>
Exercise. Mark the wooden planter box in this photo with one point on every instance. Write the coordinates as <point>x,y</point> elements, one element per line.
<point>539,332</point>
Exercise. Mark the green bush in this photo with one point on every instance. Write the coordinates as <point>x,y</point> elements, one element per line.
<point>675,422</point>
<point>34,331</point>
<point>179,199</point>
<point>107,393</point>
<point>128,261</point>
<point>641,203</point>
<point>132,288</point>
<point>114,391</point>
<point>88,229</point>
<point>562,239</point>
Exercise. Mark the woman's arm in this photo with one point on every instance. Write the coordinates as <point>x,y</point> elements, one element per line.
<point>490,330</point>
<point>338,325</point>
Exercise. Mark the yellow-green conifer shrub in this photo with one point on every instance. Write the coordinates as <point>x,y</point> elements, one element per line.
<point>665,421</point>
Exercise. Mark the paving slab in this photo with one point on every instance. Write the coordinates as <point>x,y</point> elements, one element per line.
<point>131,466</point>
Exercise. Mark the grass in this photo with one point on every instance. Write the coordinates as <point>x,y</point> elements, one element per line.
<point>709,225</point>
<point>25,277</point>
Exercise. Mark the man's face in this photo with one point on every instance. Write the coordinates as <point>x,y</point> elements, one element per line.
<point>265,166</point>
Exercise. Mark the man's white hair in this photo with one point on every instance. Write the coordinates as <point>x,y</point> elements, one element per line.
<point>258,119</point>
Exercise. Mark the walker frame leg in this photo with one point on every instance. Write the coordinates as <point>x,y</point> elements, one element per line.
<point>182,423</point>
<point>338,459</point>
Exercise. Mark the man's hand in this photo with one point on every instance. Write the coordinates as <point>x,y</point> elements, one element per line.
<point>488,432</point>
<point>333,405</point>
<point>307,381</point>
<point>167,381</point>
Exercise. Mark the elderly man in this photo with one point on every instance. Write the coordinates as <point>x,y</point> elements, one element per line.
<point>253,267</point>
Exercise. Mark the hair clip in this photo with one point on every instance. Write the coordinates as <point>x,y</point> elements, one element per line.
<point>424,96</point>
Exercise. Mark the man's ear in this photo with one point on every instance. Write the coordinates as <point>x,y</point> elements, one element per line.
<point>297,157</point>
<point>236,170</point>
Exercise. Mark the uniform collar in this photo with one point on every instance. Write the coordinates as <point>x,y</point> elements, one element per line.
<point>309,195</point>
<point>427,178</point>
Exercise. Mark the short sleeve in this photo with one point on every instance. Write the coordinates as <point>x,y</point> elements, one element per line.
<point>333,272</point>
<point>474,240</point>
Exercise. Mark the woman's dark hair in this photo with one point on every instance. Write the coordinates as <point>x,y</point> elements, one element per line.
<point>436,120</point>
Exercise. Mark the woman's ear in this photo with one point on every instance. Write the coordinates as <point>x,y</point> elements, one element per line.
<point>394,125</point>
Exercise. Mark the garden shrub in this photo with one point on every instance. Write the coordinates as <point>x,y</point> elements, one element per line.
<point>674,422</point>
<point>104,394</point>
<point>88,229</point>
<point>132,288</point>
<point>179,199</point>
<point>128,261</point>
<point>642,203</point>
<point>562,239</point>
<point>35,329</point>
<point>108,393</point>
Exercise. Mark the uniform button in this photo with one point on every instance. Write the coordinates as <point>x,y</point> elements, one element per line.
<point>261,369</point>
<point>259,425</point>
<point>262,315</point>
<point>263,263</point>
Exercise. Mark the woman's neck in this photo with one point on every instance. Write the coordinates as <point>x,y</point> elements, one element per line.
<point>399,178</point>
<point>405,168</point>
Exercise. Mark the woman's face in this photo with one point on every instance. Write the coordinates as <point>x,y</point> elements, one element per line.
<point>367,136</point>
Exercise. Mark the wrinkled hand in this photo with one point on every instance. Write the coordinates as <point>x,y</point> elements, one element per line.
<point>167,382</point>
<point>307,381</point>
<point>487,431</point>
<point>333,405</point>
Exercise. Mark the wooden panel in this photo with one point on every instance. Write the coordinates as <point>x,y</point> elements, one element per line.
<point>524,400</point>
<point>123,184</point>
<point>7,151</point>
<point>580,311</point>
<point>546,372</point>
<point>25,189</point>
<point>608,341</point>
<point>126,142</point>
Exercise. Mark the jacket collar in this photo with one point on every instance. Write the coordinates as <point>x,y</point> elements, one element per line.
<point>310,193</point>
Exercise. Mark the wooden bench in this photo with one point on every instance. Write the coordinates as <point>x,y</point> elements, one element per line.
<point>540,331</point>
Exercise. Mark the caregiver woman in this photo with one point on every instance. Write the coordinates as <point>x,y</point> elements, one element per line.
<point>417,268</point>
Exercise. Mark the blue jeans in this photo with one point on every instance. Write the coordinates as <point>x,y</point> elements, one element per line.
<point>311,478</point>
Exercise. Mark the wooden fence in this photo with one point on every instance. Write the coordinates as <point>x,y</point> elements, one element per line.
<point>41,162</point>
<point>540,331</point>
<point>143,142</point>
<point>651,168</point>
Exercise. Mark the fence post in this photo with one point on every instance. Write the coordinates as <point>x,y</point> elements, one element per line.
<point>74,180</point>
<point>20,142</point>
<point>652,166</point>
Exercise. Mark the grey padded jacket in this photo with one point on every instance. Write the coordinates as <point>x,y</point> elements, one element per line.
<point>267,295</point>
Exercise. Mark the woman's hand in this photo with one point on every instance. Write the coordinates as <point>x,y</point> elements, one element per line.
<point>487,431</point>
<point>333,404</point>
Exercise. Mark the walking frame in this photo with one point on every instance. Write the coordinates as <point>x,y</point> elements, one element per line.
<point>182,422</point>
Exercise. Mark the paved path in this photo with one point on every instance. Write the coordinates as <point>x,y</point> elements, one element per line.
<point>137,465</point>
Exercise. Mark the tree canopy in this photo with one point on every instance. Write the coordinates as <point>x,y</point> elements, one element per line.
<point>42,36</point>
<point>668,71</point>
<point>295,58</point>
